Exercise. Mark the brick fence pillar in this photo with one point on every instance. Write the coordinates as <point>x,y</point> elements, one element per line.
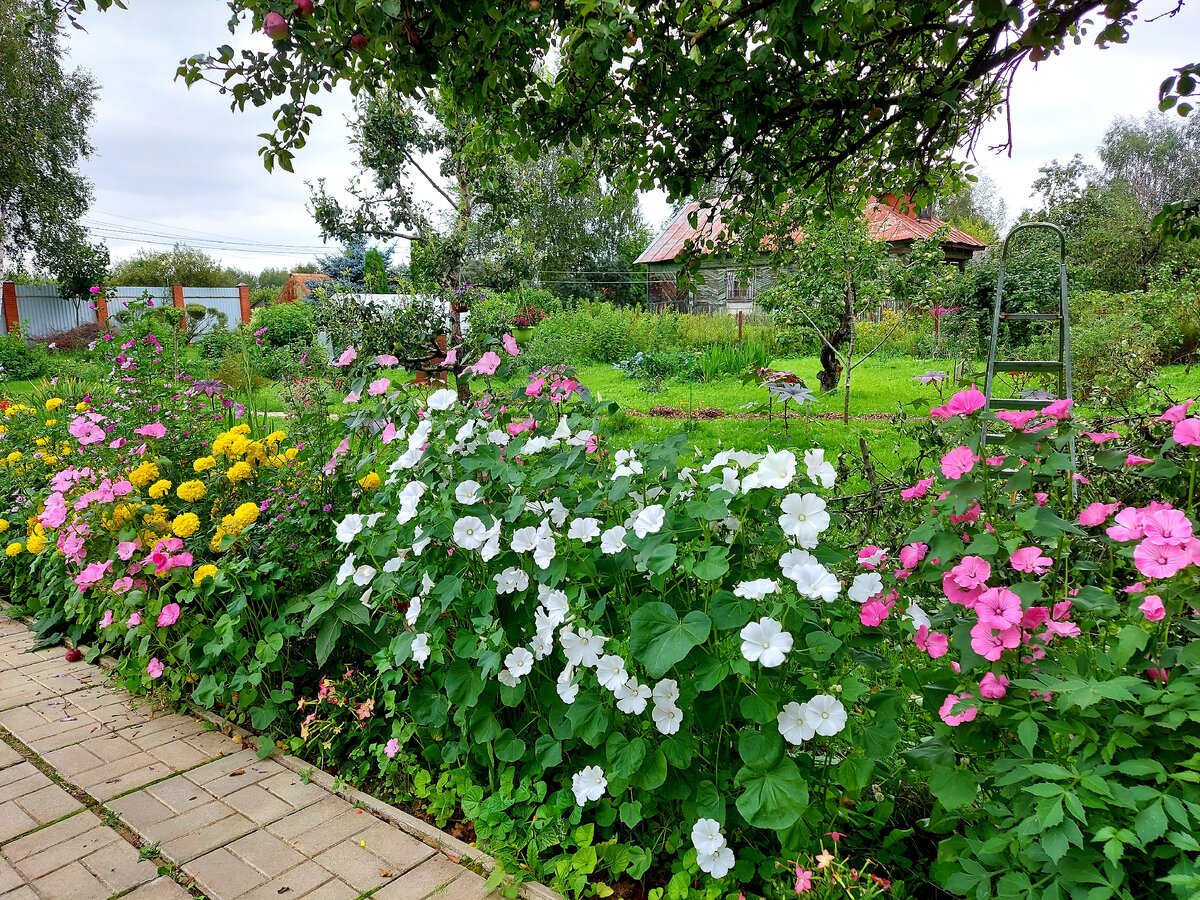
<point>244,300</point>
<point>101,308</point>
<point>12,316</point>
<point>177,301</point>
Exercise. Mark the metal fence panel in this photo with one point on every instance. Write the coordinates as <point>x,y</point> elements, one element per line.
<point>226,300</point>
<point>43,312</point>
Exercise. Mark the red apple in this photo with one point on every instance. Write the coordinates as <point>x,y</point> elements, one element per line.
<point>304,8</point>
<point>359,42</point>
<point>73,654</point>
<point>275,26</point>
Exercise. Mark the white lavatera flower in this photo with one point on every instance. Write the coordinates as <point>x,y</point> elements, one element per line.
<point>470,532</point>
<point>865,586</point>
<point>442,400</point>
<point>420,649</point>
<point>544,552</point>
<point>589,785</point>
<point>730,483</point>
<point>586,530</point>
<point>775,470</point>
<point>567,689</point>
<point>816,582</point>
<point>413,492</point>
<point>543,625</point>
<point>363,575</point>
<point>535,444</point>
<point>610,672</point>
<point>511,580</point>
<point>393,564</point>
<point>365,599</point>
<point>404,461</point>
<point>757,589</point>
<point>707,836</point>
<point>413,611</point>
<point>667,691</point>
<point>349,527</point>
<point>794,724</point>
<point>426,583</point>
<point>613,540</point>
<point>346,570</point>
<point>825,714</point>
<point>792,561</point>
<point>498,438</point>
<point>507,678</point>
<point>649,520</point>
<point>917,616</point>
<point>818,470</point>
<point>562,432</point>
<point>667,717</point>
<point>803,518</point>
<point>420,540</point>
<point>632,697</point>
<point>406,513</point>
<point>420,436</point>
<point>556,605</point>
<point>716,863</point>
<point>524,540</point>
<point>373,518</point>
<point>765,642</point>
<point>541,645</point>
<point>582,647</point>
<point>581,438</point>
<point>466,431</point>
<point>557,512</point>
<point>467,492</point>
<point>519,662</point>
<point>491,544</point>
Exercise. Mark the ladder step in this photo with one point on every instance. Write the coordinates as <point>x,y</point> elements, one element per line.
<point>1027,365</point>
<point>1017,403</point>
<point>1031,317</point>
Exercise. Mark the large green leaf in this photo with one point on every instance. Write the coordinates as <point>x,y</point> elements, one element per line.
<point>728,611</point>
<point>774,798</point>
<point>658,639</point>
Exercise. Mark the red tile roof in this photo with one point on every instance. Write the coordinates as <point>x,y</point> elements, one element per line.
<point>297,286</point>
<point>889,220</point>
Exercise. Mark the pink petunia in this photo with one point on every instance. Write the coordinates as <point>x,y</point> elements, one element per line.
<point>934,643</point>
<point>1176,413</point>
<point>873,612</point>
<point>1030,559</point>
<point>1134,460</point>
<point>999,608</point>
<point>1018,419</point>
<point>965,714</point>
<point>487,365</point>
<point>169,615</point>
<point>918,490</point>
<point>378,386</point>
<point>1097,513</point>
<point>912,554</point>
<point>990,643</point>
<point>958,462</point>
<point>1059,409</point>
<point>155,668</point>
<point>992,686</point>
<point>1155,560</point>
<point>348,356</point>
<point>510,345</point>
<point>154,430</point>
<point>1152,608</point>
<point>1128,527</point>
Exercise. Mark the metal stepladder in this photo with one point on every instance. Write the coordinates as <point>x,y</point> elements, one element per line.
<point>1061,366</point>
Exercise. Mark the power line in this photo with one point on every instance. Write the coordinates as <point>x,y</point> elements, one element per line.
<point>160,225</point>
<point>128,240</point>
<point>122,231</point>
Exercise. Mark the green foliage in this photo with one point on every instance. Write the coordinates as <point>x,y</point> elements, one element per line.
<point>20,361</point>
<point>181,264</point>
<point>77,267</point>
<point>285,324</point>
<point>375,278</point>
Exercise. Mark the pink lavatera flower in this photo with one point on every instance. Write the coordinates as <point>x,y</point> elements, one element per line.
<point>348,356</point>
<point>958,462</point>
<point>1155,560</point>
<point>1097,513</point>
<point>169,615</point>
<point>963,715</point>
<point>1059,409</point>
<point>990,642</point>
<point>1017,418</point>
<point>378,387</point>
<point>964,403</point>
<point>1128,525</point>
<point>912,554</point>
<point>934,643</point>
<point>510,345</point>
<point>918,490</point>
<point>154,430</point>
<point>1099,438</point>
<point>1134,459</point>
<point>487,364</point>
<point>1167,526</point>
<point>1152,608</point>
<point>1030,559</point>
<point>1187,432</point>
<point>155,668</point>
<point>992,686</point>
<point>998,608</point>
<point>971,572</point>
<point>956,594</point>
<point>873,612</point>
<point>1176,413</point>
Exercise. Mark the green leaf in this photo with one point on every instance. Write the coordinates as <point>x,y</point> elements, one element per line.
<point>775,798</point>
<point>821,646</point>
<point>760,750</point>
<point>508,746</point>
<point>1151,823</point>
<point>625,757</point>
<point>547,751</point>
<point>714,565</point>
<point>327,639</point>
<point>1027,733</point>
<point>709,803</point>
<point>953,787</point>
<point>1130,640</point>
<point>728,611</point>
<point>631,812</point>
<point>463,683</point>
<point>658,639</point>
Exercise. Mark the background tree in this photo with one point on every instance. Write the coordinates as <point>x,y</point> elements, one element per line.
<point>1156,156</point>
<point>976,208</point>
<point>180,265</point>
<point>350,267</point>
<point>77,267</point>
<point>45,112</point>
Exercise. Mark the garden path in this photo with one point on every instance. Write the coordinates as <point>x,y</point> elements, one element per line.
<point>100,799</point>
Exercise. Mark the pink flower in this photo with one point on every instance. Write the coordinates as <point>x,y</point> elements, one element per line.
<point>86,431</point>
<point>1035,616</point>
<point>954,719</point>
<point>386,359</point>
<point>515,428</point>
<point>1100,437</point>
<point>1167,526</point>
<point>1187,432</point>
<point>352,397</point>
<point>1030,559</point>
<point>154,430</point>
<point>1159,675</point>
<point>934,643</point>
<point>1176,413</point>
<point>155,668</point>
<point>487,365</point>
<point>1097,513</point>
<point>389,433</point>
<point>958,462</point>
<point>1040,498</point>
<point>990,643</point>
<point>107,619</point>
<point>870,556</point>
<point>510,345</point>
<point>451,357</point>
<point>122,585</point>
<point>134,620</point>
<point>348,356</point>
<point>121,488</point>
<point>1134,460</point>
<point>1128,527</point>
<point>961,404</point>
<point>873,612</point>
<point>1156,560</point>
<point>1018,419</point>
<point>993,687</point>
<point>392,748</point>
<point>1059,409</point>
<point>995,460</point>
<point>535,387</point>
<point>803,880</point>
<point>126,549</point>
<point>955,594</point>
<point>1152,608</point>
<point>169,615</point>
<point>912,554</point>
<point>971,572</point>
<point>378,386</point>
<point>998,607</point>
<point>92,573</point>
<point>920,489</point>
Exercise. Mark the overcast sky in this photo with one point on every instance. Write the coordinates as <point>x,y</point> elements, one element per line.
<point>177,164</point>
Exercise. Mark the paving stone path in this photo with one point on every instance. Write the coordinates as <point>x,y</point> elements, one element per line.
<point>86,775</point>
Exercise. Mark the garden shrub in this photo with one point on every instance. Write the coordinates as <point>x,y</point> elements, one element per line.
<point>285,324</point>
<point>19,360</point>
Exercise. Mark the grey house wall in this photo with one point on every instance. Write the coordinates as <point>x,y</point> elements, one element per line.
<point>722,290</point>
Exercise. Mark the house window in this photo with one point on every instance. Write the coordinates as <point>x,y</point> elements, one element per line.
<point>737,289</point>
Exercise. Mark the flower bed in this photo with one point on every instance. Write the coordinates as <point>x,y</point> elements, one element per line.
<point>650,670</point>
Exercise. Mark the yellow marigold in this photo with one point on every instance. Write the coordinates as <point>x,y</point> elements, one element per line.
<point>54,403</point>
<point>82,405</point>
<point>36,544</point>
<point>185,525</point>
<point>3,525</point>
<point>160,489</point>
<point>191,491</point>
<point>204,463</point>
<point>220,444</point>
<point>50,422</point>
<point>245,515</point>
<point>371,481</point>
<point>144,474</point>
<point>215,543</point>
<point>243,428</point>
<point>256,452</point>
<point>238,445</point>
<point>290,453</point>
<point>13,549</point>
<point>274,437</point>
<point>13,457</point>
<point>239,471</point>
<point>123,514</point>
<point>42,441</point>
<point>205,571</point>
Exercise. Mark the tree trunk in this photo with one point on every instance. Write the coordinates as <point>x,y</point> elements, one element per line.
<point>831,367</point>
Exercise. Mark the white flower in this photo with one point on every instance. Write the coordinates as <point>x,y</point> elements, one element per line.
<point>407,460</point>
<point>442,400</point>
<point>420,649</point>
<point>510,580</point>
<point>874,559</point>
<point>666,692</point>
<point>349,527</point>
<point>535,444</point>
<point>393,564</point>
<point>469,533</point>
<point>917,615</point>
<point>413,492</point>
<point>632,697</point>
<point>508,679</point>
<point>420,540</point>
<point>519,662</point>
<point>373,518</point>
<point>627,464</point>
<point>706,836</point>
<point>804,518</point>
<point>765,642</point>
<point>792,561</point>
<point>346,570</point>
<point>757,589</point>
<point>498,438</point>
<point>553,508</point>
<point>865,586</point>
<point>365,599</point>
<point>466,431</point>
<point>491,544</point>
<point>819,471</point>
<point>729,482</point>
<point>524,539</point>
<point>414,610</point>
<point>610,672</point>
<point>556,605</point>
<point>363,575</point>
<point>589,784</point>
<point>407,512</point>
<point>420,436</point>
<point>667,717</point>
<point>426,583</point>
<point>542,644</point>
<point>825,714</point>
<point>716,863</point>
<point>613,540</point>
<point>467,492</point>
<point>582,648</point>
<point>816,582</point>
<point>794,724</point>
<point>544,551</point>
<point>562,432</point>
<point>649,520</point>
<point>776,470</point>
<point>567,689</point>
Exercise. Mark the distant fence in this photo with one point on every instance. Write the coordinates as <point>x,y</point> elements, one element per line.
<point>37,310</point>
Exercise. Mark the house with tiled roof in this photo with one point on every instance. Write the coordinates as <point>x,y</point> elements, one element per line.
<point>726,287</point>
<point>299,286</point>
